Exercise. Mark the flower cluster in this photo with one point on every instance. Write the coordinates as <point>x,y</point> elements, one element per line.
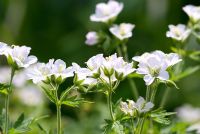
<point>154,65</point>
<point>110,68</point>
<point>140,106</point>
<point>107,13</point>
<point>53,71</point>
<point>17,56</point>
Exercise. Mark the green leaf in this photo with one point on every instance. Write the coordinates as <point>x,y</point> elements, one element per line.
<point>171,83</point>
<point>179,127</point>
<point>42,129</point>
<point>135,75</point>
<point>49,94</point>
<point>74,101</point>
<point>113,127</point>
<point>19,121</point>
<point>4,88</point>
<point>161,116</point>
<point>195,55</point>
<point>185,73</point>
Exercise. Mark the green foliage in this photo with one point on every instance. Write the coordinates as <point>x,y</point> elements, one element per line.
<point>74,101</point>
<point>113,127</point>
<point>4,88</point>
<point>49,94</point>
<point>161,116</point>
<point>188,71</point>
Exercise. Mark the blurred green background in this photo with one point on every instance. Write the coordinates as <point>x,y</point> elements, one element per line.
<point>57,29</point>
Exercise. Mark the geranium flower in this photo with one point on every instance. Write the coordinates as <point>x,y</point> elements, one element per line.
<point>122,31</point>
<point>141,106</point>
<point>154,65</point>
<point>179,32</point>
<point>84,75</point>
<point>95,62</point>
<point>58,69</point>
<point>92,38</point>
<point>42,72</point>
<point>19,55</point>
<point>3,48</point>
<point>106,11</point>
<point>38,72</point>
<point>193,12</point>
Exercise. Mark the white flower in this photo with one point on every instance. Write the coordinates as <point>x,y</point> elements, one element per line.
<point>95,62</point>
<point>20,56</point>
<point>128,108</point>
<point>122,31</point>
<point>41,71</point>
<point>84,75</point>
<point>123,68</point>
<point>58,69</point>
<point>38,72</point>
<point>187,113</point>
<point>109,68</point>
<point>195,127</point>
<point>172,59</point>
<point>106,11</point>
<point>92,38</point>
<point>141,106</point>
<point>193,12</point>
<point>3,48</point>
<point>154,65</point>
<point>179,32</point>
<point>30,96</point>
<point>19,79</point>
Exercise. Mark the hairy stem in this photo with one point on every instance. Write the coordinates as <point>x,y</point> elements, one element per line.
<point>7,101</point>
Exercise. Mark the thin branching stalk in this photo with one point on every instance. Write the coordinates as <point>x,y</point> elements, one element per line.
<point>7,101</point>
<point>58,108</point>
<point>150,96</point>
<point>109,100</point>
<point>165,97</point>
<point>66,92</point>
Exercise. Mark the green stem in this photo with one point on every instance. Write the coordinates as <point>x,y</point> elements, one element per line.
<point>140,125</point>
<point>133,87</point>
<point>132,124</point>
<point>7,102</point>
<point>153,94</point>
<point>119,51</point>
<point>109,101</point>
<point>150,96</point>
<point>66,92</point>
<point>165,97</point>
<point>58,107</point>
